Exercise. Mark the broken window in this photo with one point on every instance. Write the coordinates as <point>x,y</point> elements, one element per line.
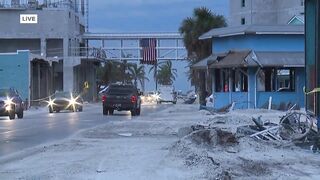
<point>272,79</point>
<point>222,80</point>
<point>239,81</point>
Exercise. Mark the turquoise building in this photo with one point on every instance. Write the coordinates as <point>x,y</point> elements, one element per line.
<point>32,75</point>
<point>15,72</point>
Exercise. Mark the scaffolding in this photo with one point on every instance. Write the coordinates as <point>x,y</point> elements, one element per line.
<point>39,4</point>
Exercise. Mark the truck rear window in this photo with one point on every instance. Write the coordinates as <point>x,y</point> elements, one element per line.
<point>120,91</point>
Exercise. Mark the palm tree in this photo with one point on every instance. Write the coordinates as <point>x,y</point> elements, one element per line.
<point>137,74</point>
<point>202,21</point>
<point>166,75</point>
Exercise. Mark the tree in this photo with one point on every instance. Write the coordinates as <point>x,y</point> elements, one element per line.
<point>202,21</point>
<point>137,74</point>
<point>166,75</point>
<point>111,72</point>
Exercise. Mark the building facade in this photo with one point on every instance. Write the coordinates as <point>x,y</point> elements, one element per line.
<point>57,35</point>
<point>265,12</point>
<point>253,65</point>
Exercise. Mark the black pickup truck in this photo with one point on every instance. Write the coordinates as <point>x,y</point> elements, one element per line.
<point>121,97</point>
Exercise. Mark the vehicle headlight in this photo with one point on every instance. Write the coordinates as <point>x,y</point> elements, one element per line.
<point>8,102</point>
<point>51,102</point>
<point>8,108</point>
<point>72,101</point>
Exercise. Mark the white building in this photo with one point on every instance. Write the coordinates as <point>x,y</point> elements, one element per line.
<point>266,12</point>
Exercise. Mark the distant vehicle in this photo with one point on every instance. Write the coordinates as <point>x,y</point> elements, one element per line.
<point>11,103</point>
<point>121,97</point>
<point>167,94</point>
<point>150,97</point>
<point>65,101</point>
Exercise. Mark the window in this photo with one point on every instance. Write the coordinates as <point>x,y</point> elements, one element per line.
<point>302,2</point>
<point>243,3</point>
<point>239,81</point>
<point>221,80</point>
<point>243,21</point>
<point>279,80</point>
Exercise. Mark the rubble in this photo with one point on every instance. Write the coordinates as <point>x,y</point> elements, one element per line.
<point>213,137</point>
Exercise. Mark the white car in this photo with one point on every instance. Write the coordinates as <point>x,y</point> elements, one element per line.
<point>167,94</point>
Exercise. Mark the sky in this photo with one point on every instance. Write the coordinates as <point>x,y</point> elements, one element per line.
<point>119,16</point>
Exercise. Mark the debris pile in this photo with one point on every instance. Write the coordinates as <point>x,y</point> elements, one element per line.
<point>296,127</point>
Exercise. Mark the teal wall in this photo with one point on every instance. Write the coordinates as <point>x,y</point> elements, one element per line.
<point>259,43</point>
<point>244,100</point>
<point>14,72</point>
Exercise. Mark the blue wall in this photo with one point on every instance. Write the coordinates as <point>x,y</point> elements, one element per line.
<point>244,99</point>
<point>14,72</point>
<point>259,43</point>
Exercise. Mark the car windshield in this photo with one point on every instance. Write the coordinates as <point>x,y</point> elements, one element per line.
<point>4,92</point>
<point>62,94</point>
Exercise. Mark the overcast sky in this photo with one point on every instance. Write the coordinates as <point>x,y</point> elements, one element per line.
<point>146,15</point>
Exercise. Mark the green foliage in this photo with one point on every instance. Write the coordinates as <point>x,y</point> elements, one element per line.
<point>137,73</point>
<point>112,72</point>
<point>202,21</point>
<point>166,74</point>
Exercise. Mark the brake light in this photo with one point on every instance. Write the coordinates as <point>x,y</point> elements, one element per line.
<point>104,98</point>
<point>133,99</point>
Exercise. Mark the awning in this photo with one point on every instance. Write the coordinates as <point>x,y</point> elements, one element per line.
<point>203,64</point>
<point>281,59</point>
<point>261,59</point>
<point>235,59</point>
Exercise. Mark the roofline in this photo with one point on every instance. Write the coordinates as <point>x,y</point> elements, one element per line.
<point>247,31</point>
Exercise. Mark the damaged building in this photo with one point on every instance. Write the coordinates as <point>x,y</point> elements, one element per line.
<point>52,32</point>
<point>255,66</point>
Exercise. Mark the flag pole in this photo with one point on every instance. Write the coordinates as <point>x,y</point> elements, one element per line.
<point>156,73</point>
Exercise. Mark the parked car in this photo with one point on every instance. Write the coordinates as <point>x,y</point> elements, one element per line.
<point>65,101</point>
<point>121,97</point>
<point>11,103</point>
<point>167,94</point>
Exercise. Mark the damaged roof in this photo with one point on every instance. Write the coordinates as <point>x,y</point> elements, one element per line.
<point>203,64</point>
<point>253,29</point>
<point>261,59</point>
<point>234,59</point>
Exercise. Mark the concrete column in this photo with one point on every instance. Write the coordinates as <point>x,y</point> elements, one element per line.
<point>43,45</point>
<point>39,80</point>
<point>67,67</point>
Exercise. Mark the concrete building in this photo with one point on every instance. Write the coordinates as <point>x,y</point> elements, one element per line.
<point>265,12</point>
<point>56,34</point>
<point>252,63</point>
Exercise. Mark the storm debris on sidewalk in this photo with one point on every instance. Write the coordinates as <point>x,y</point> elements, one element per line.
<point>213,137</point>
<point>296,128</point>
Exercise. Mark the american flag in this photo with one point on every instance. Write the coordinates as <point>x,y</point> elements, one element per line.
<point>149,51</point>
